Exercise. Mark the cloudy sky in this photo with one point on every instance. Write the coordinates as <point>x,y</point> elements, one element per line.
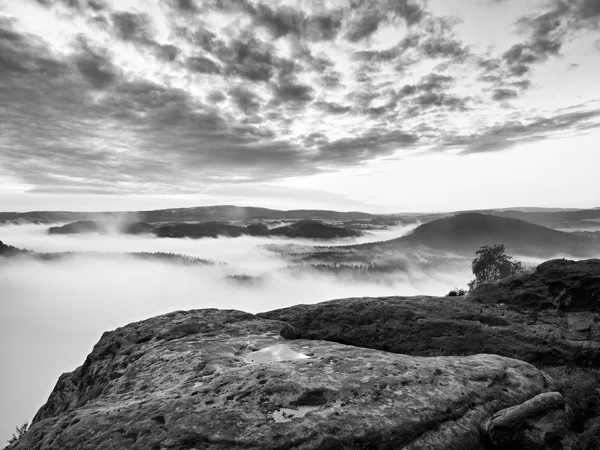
<point>379,105</point>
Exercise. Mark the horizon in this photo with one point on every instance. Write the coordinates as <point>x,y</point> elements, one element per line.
<point>506,208</point>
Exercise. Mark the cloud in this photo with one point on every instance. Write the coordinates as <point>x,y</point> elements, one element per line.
<point>246,100</point>
<point>202,65</point>
<point>291,92</point>
<point>182,95</point>
<point>95,65</point>
<point>132,27</point>
<point>504,94</point>
<point>364,27</point>
<point>510,134</point>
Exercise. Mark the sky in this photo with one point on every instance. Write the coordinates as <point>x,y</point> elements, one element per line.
<point>375,105</point>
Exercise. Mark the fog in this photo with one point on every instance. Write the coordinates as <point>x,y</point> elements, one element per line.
<point>53,312</point>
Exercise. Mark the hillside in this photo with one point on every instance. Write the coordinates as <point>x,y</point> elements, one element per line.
<point>9,250</point>
<point>582,218</point>
<point>303,229</point>
<point>313,230</point>
<point>100,226</point>
<point>467,232</point>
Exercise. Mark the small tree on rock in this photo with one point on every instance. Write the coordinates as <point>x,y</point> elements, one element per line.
<point>492,264</point>
<point>19,432</point>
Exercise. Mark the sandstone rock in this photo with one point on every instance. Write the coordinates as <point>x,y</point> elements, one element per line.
<point>539,423</point>
<point>557,284</point>
<point>497,320</point>
<point>192,380</point>
<point>431,326</point>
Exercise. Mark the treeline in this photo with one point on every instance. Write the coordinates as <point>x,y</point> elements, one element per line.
<point>356,269</point>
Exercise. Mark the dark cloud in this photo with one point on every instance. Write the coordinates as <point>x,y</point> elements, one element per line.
<point>502,94</point>
<point>166,52</point>
<point>323,27</point>
<point>409,10</point>
<point>284,21</point>
<point>375,143</point>
<point>216,97</point>
<point>511,134</point>
<point>132,27</point>
<point>249,58</point>
<point>588,10</point>
<point>201,64</point>
<point>364,27</point>
<point>280,22</point>
<point>291,92</point>
<point>96,5</point>
<point>95,65</point>
<point>547,32</point>
<point>434,81</point>
<point>186,5</point>
<point>333,108</point>
<point>25,53</point>
<point>244,99</point>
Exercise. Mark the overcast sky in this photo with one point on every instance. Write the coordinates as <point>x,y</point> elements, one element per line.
<point>388,105</point>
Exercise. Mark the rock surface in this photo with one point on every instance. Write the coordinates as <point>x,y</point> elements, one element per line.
<point>227,379</point>
<point>538,424</point>
<point>557,284</point>
<point>491,320</point>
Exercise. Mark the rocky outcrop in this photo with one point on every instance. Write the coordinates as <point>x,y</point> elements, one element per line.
<point>557,284</point>
<point>538,424</point>
<point>549,317</point>
<point>227,379</point>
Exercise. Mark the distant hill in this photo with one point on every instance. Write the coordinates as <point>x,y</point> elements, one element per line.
<point>9,250</point>
<point>99,226</point>
<point>580,218</point>
<point>220,213</point>
<point>303,229</point>
<point>467,232</point>
<point>313,230</point>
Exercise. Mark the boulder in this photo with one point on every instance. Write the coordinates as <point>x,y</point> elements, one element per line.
<point>538,424</point>
<point>227,379</point>
<point>561,284</point>
<point>549,317</point>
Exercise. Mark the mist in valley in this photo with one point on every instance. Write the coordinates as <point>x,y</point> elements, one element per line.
<point>54,311</point>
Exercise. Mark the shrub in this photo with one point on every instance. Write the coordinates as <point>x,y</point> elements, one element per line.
<point>581,389</point>
<point>19,432</point>
<point>456,292</point>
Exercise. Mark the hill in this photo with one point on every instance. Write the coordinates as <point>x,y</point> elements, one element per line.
<point>100,226</point>
<point>9,250</point>
<point>308,229</point>
<point>581,218</point>
<point>467,232</point>
<point>313,230</point>
<point>219,213</point>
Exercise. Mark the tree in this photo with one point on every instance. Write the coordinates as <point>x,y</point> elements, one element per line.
<point>492,264</point>
<point>19,432</point>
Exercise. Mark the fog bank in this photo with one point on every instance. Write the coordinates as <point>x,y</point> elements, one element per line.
<point>53,312</point>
